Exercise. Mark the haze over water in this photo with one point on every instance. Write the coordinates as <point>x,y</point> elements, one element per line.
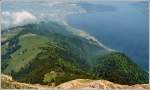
<point>122,26</point>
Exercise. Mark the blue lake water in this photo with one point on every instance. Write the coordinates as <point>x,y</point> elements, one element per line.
<point>122,26</point>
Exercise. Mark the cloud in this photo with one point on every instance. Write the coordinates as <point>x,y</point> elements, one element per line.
<point>91,38</point>
<point>23,17</point>
<point>10,19</point>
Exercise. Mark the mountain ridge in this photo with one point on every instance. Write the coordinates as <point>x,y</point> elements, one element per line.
<point>48,49</point>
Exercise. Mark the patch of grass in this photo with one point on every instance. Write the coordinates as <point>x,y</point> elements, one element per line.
<point>29,49</point>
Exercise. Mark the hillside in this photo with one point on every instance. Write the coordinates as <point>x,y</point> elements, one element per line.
<point>117,67</point>
<point>48,52</point>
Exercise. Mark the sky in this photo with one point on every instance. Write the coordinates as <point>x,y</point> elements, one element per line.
<point>20,12</point>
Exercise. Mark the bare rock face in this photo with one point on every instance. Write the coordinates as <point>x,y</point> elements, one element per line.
<point>8,83</point>
<point>98,84</point>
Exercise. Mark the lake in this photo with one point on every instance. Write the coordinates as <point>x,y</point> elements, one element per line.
<point>122,26</point>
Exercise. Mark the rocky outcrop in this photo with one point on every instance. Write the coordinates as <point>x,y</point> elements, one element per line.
<point>98,84</point>
<point>8,83</point>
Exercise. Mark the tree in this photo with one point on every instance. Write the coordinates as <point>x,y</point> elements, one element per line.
<point>50,77</point>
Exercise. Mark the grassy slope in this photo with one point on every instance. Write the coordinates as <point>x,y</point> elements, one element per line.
<point>29,49</point>
<point>6,36</point>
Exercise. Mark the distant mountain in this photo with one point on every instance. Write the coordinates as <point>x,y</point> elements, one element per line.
<point>48,52</point>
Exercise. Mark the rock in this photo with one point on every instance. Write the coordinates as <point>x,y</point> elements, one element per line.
<point>98,84</point>
<point>8,83</point>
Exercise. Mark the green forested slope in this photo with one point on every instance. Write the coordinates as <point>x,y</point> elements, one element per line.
<point>117,67</point>
<point>48,52</point>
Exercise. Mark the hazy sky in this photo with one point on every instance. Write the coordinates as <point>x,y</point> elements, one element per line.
<point>18,12</point>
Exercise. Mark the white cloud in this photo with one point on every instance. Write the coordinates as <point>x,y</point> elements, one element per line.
<point>23,17</point>
<point>91,38</point>
<point>10,19</point>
